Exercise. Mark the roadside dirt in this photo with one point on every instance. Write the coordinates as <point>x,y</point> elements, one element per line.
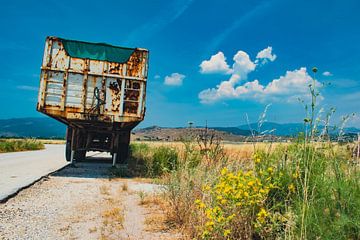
<point>83,203</point>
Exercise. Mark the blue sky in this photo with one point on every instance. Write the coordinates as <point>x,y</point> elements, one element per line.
<point>213,61</point>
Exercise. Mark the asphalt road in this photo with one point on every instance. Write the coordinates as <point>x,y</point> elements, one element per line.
<point>20,169</point>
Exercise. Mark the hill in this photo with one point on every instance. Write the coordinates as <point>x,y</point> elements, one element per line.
<point>32,127</point>
<point>49,128</point>
<point>157,133</point>
<point>292,129</point>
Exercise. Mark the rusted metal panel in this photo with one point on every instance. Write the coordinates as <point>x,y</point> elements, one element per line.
<point>76,89</point>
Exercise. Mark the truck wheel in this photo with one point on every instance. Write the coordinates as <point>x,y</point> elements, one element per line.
<point>80,155</point>
<point>68,144</point>
<point>123,153</point>
<point>123,148</point>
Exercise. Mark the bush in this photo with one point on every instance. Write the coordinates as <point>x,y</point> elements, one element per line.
<point>296,191</point>
<point>151,161</point>
<point>164,160</point>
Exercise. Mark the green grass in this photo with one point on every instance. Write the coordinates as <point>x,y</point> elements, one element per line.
<point>316,194</point>
<point>148,161</point>
<point>20,145</point>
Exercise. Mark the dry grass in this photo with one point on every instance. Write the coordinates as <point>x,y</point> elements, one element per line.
<point>124,187</point>
<point>92,230</point>
<point>153,199</point>
<point>238,150</point>
<point>112,215</point>
<point>244,151</point>
<point>158,217</point>
<point>43,141</point>
<point>104,190</point>
<point>142,196</point>
<point>52,141</point>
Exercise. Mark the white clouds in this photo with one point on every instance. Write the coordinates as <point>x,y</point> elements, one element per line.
<point>327,74</point>
<point>175,79</point>
<point>293,85</point>
<point>289,87</point>
<point>265,55</point>
<point>242,63</point>
<point>216,64</point>
<point>242,66</point>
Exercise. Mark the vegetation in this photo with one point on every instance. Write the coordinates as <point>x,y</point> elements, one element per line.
<point>13,145</point>
<point>308,189</point>
<point>151,161</point>
<point>302,190</point>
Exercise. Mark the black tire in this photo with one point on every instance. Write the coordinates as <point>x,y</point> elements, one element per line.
<point>80,155</point>
<point>123,148</point>
<point>68,144</point>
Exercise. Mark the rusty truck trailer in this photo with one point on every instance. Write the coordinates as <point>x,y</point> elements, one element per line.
<point>97,90</point>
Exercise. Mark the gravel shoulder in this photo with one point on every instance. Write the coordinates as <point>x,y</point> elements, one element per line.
<point>81,203</point>
<point>20,169</point>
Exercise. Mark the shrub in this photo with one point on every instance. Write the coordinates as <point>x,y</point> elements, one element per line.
<point>164,160</point>
<point>151,161</point>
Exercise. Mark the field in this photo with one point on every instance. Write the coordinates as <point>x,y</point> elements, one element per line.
<point>298,190</point>
<point>16,145</point>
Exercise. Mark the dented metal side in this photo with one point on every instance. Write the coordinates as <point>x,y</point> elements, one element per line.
<point>73,89</point>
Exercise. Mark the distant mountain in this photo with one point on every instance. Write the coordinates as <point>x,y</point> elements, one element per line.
<point>234,130</point>
<point>175,134</point>
<point>32,127</point>
<point>50,128</point>
<point>290,129</point>
<point>279,129</point>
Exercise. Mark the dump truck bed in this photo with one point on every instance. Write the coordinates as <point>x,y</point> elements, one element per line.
<point>93,84</point>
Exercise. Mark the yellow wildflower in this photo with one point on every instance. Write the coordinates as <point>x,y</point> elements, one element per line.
<point>226,232</point>
<point>220,219</point>
<point>231,217</point>
<point>224,171</point>
<point>251,183</point>
<point>209,224</point>
<point>291,187</point>
<point>262,215</point>
<point>206,188</point>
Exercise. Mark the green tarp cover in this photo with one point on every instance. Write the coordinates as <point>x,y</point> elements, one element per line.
<point>97,51</point>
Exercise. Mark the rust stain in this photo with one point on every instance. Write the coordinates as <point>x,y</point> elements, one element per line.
<point>131,107</point>
<point>133,65</point>
<point>115,90</point>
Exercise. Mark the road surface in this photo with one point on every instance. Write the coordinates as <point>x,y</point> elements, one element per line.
<point>20,169</point>
<point>84,202</point>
